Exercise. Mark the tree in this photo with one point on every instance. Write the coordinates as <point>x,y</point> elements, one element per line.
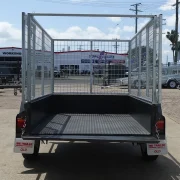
<point>172,37</point>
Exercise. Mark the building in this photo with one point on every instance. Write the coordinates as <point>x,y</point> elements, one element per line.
<point>69,61</point>
<point>81,60</point>
<point>10,62</point>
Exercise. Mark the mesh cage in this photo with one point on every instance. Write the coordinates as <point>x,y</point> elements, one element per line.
<point>37,59</point>
<point>92,66</point>
<point>145,62</point>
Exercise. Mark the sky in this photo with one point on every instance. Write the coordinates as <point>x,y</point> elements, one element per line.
<point>95,28</point>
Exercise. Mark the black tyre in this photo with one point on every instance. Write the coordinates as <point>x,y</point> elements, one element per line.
<point>33,156</point>
<point>136,84</point>
<point>15,93</point>
<point>172,84</point>
<point>145,156</point>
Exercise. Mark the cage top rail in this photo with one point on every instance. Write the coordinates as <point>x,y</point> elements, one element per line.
<point>92,15</point>
<point>95,40</point>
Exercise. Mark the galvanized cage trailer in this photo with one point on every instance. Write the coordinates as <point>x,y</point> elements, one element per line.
<point>87,105</point>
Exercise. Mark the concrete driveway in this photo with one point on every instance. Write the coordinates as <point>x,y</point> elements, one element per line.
<point>83,161</point>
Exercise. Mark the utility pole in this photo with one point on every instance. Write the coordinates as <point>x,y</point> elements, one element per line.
<point>167,60</point>
<point>116,46</point>
<point>176,30</point>
<point>136,11</point>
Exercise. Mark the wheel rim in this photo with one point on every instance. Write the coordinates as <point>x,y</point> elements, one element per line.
<point>172,84</point>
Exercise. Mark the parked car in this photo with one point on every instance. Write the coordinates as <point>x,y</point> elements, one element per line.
<point>170,78</point>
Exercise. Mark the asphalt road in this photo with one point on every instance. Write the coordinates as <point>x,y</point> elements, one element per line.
<point>82,161</point>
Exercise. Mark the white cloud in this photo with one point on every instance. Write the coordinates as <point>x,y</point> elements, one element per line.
<point>9,35</point>
<point>129,28</point>
<point>142,24</point>
<point>170,20</point>
<point>90,32</point>
<point>114,19</point>
<point>167,51</point>
<point>168,5</point>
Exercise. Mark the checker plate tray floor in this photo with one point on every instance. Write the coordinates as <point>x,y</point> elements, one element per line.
<point>90,124</point>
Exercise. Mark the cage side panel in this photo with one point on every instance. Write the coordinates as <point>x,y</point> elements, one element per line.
<point>144,62</point>
<point>39,66</point>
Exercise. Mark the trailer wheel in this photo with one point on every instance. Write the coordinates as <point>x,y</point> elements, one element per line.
<point>15,93</point>
<point>145,156</point>
<point>136,84</point>
<point>172,84</point>
<point>33,156</point>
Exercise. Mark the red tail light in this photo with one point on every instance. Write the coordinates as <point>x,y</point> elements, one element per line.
<point>160,125</point>
<point>21,123</point>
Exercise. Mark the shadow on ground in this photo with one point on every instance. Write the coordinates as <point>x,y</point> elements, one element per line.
<point>84,161</point>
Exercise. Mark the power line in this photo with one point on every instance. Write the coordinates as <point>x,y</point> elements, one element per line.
<point>114,4</point>
<point>136,12</point>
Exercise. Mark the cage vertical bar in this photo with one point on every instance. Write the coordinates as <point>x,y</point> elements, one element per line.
<point>52,66</point>
<point>129,69</point>
<point>139,69</point>
<point>136,54</point>
<point>23,60</point>
<point>29,59</point>
<point>91,68</point>
<point>42,62</point>
<point>147,61</point>
<point>154,98</point>
<point>33,61</point>
<point>160,59</point>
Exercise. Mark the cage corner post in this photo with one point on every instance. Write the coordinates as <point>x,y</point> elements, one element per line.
<point>29,17</point>
<point>23,59</point>
<point>160,60</point>
<point>154,93</point>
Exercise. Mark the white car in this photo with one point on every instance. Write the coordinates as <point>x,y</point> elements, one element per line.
<point>170,78</point>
